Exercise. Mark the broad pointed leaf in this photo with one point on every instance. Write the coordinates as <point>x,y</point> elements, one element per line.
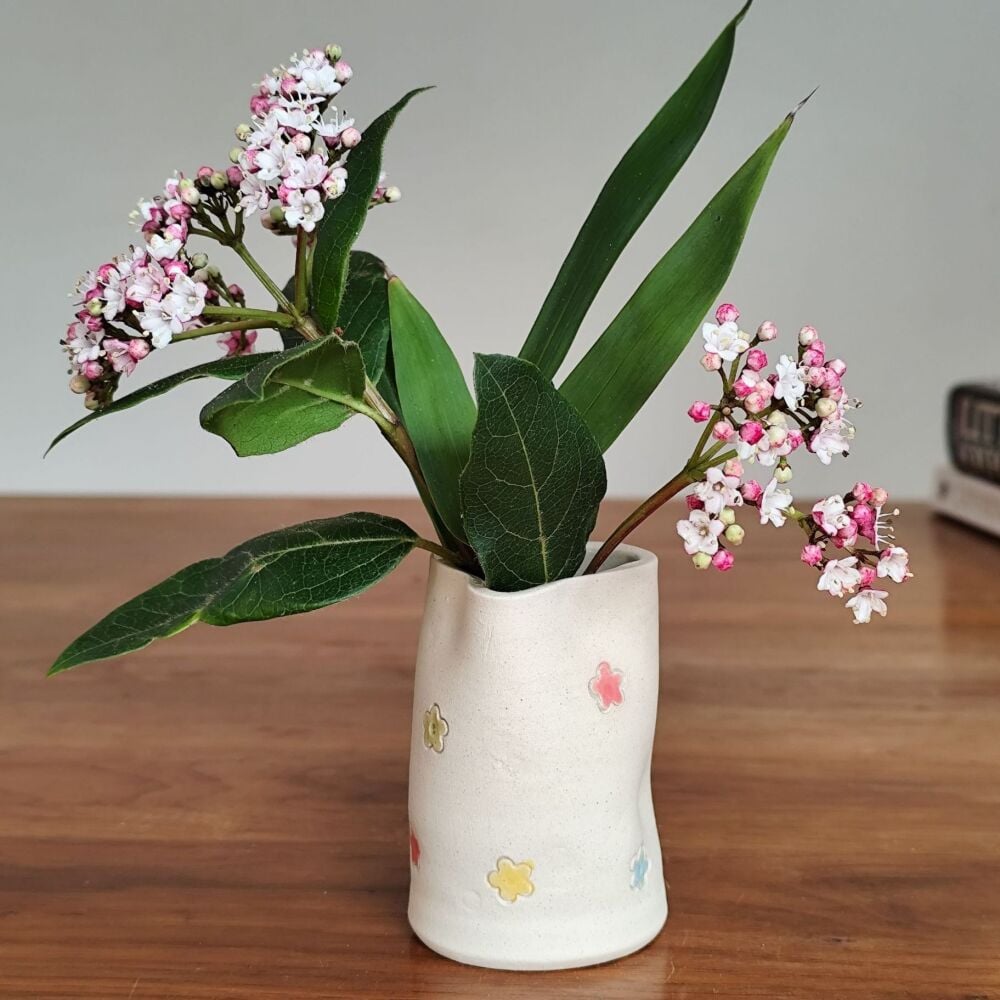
<point>284,572</point>
<point>345,216</point>
<point>437,407</point>
<point>619,373</point>
<point>229,369</point>
<point>633,188</point>
<point>294,395</point>
<point>534,481</point>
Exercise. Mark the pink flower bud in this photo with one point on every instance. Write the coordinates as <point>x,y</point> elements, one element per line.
<point>863,515</point>
<point>723,430</point>
<point>138,348</point>
<point>756,402</point>
<point>767,331</point>
<point>734,467</point>
<point>236,291</point>
<point>92,369</point>
<point>816,376</point>
<point>794,439</point>
<point>847,535</point>
<point>726,313</point>
<point>343,71</point>
<point>777,435</point>
<point>807,335</point>
<point>234,175</point>
<point>751,432</point>
<point>756,359</point>
<point>699,411</point>
<point>838,366</point>
<point>879,497</point>
<point>94,324</point>
<point>812,555</point>
<point>742,388</point>
<point>181,210</point>
<point>350,137</point>
<point>693,503</point>
<point>175,268</point>
<point>751,490</point>
<point>301,142</point>
<point>204,173</point>
<point>831,380</point>
<point>867,576</point>
<point>812,357</point>
<point>284,191</point>
<point>104,274</point>
<point>723,560</point>
<point>862,492</point>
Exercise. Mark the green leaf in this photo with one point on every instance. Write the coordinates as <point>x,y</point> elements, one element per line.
<point>437,408</point>
<point>229,369</point>
<point>345,216</point>
<point>619,373</point>
<point>534,481</point>
<point>294,395</point>
<point>364,311</point>
<point>284,572</point>
<point>629,194</point>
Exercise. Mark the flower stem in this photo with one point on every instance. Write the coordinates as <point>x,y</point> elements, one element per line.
<point>263,277</point>
<point>238,312</point>
<point>301,271</point>
<point>205,331</point>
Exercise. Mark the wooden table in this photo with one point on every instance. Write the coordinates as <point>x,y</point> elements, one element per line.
<point>223,815</point>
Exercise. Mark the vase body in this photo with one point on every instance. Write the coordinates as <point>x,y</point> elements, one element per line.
<point>533,843</point>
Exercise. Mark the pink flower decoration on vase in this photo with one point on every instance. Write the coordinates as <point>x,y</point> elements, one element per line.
<point>606,686</point>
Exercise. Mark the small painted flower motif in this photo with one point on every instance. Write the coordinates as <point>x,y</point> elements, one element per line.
<point>606,686</point>
<point>512,879</point>
<point>414,850</point>
<point>639,867</point>
<point>435,729</point>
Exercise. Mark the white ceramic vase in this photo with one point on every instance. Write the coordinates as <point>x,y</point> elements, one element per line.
<point>533,843</point>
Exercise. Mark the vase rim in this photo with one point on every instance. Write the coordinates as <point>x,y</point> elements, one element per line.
<point>625,558</point>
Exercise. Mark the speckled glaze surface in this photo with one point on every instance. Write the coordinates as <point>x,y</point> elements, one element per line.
<point>533,843</point>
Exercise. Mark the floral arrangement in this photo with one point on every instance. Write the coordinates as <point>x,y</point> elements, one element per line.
<point>512,480</point>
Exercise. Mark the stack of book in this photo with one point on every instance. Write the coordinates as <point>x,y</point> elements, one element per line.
<point>969,488</point>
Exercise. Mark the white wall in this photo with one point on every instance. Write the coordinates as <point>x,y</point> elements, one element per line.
<point>878,224</point>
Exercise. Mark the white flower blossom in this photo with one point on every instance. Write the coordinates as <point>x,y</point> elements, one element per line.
<point>831,514</point>
<point>790,387</point>
<point>304,209</point>
<point>865,602</point>
<point>832,438</point>
<point>839,576</point>
<point>700,533</point>
<point>773,503</point>
<point>895,564</point>
<point>727,340</point>
<point>718,491</point>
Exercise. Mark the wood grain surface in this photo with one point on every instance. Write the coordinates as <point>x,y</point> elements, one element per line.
<point>223,815</point>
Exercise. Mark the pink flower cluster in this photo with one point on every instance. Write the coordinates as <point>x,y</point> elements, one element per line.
<point>297,145</point>
<point>768,416</point>
<point>763,419</point>
<point>856,524</point>
<point>140,300</point>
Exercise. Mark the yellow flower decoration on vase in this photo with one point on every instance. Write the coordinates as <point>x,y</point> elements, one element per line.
<point>512,879</point>
<point>435,729</point>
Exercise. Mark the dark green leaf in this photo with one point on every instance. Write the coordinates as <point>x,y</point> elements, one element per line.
<point>281,573</point>
<point>534,481</point>
<point>229,369</point>
<point>635,186</point>
<point>437,407</point>
<point>345,216</point>
<point>364,311</point>
<point>618,374</point>
<point>291,397</point>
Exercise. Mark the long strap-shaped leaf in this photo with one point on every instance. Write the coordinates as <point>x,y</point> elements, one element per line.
<point>228,369</point>
<point>284,572</point>
<point>628,361</point>
<point>635,186</point>
<point>344,217</point>
<point>437,407</point>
